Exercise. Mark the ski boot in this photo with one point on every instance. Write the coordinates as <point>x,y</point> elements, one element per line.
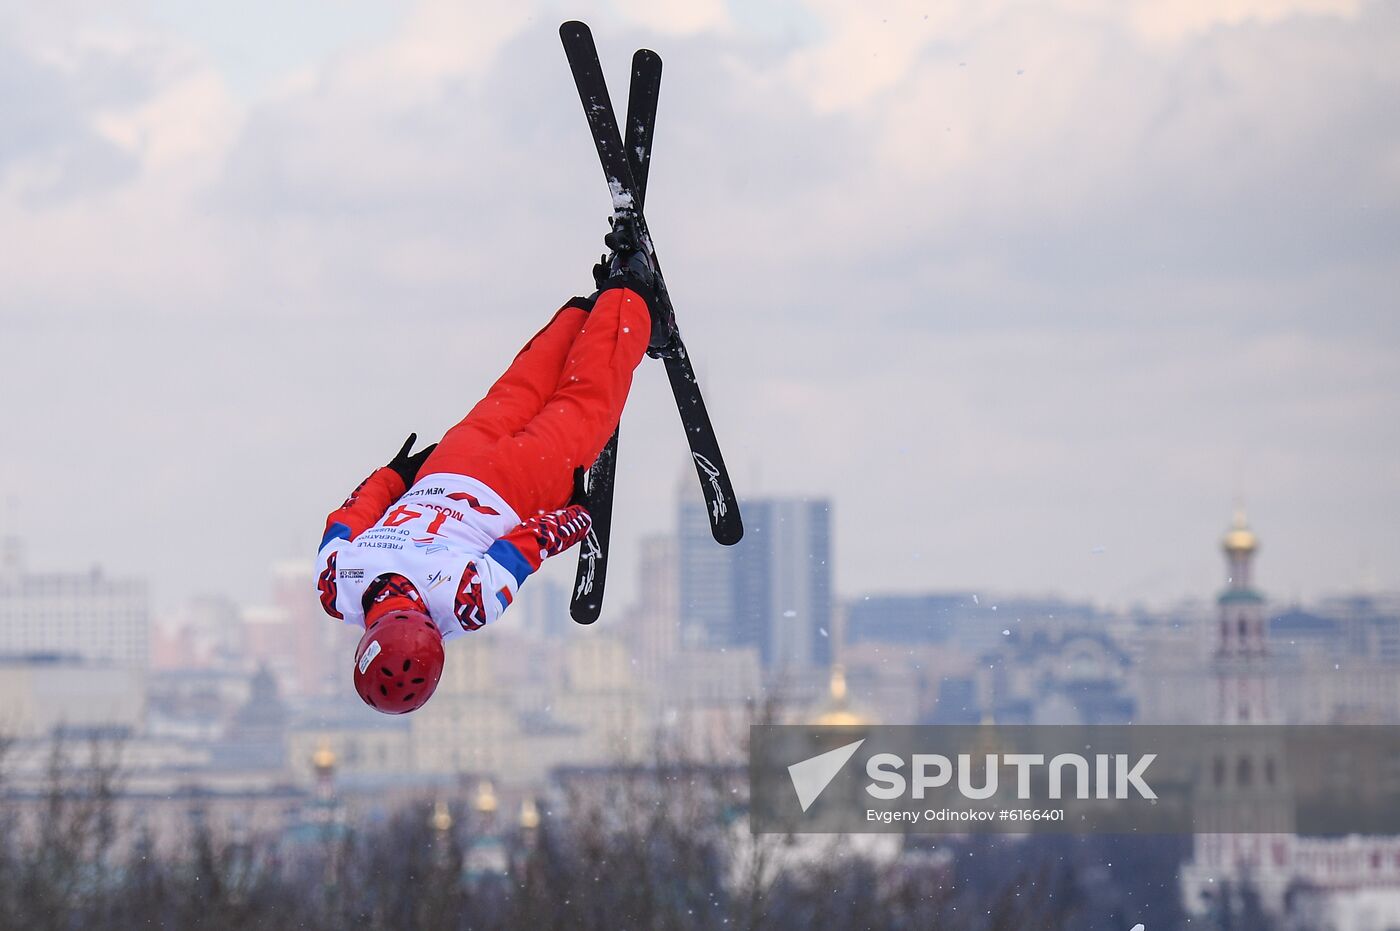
<point>632,261</point>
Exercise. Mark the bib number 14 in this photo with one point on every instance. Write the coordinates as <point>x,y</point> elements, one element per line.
<point>403,514</point>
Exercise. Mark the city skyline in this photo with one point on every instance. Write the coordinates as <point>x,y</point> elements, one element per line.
<point>243,720</point>
<point>276,583</point>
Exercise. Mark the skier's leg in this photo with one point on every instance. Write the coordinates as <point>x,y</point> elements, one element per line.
<point>533,469</point>
<point>522,389</point>
<point>516,396</point>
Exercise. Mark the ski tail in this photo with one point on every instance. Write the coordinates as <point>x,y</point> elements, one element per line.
<point>726,525</point>
<point>590,580</point>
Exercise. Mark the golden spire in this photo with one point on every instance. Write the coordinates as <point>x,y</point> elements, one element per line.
<point>441,818</point>
<point>838,683</point>
<point>486,797</point>
<point>987,740</point>
<point>838,705</point>
<point>324,757</point>
<point>1239,538</point>
<point>529,814</point>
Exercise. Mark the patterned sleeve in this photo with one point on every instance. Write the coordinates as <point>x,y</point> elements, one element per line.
<point>326,590</point>
<point>489,584</point>
<point>366,504</point>
<point>484,592</point>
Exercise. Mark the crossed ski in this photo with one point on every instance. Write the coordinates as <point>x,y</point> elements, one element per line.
<point>625,167</point>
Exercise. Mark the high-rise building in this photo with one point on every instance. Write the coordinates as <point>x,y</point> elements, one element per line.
<point>706,581</point>
<point>79,614</point>
<point>653,621</point>
<point>771,591</point>
<point>545,612</point>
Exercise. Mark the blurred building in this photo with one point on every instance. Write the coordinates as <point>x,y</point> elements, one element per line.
<point>255,738</point>
<point>47,693</point>
<point>1052,675</point>
<point>207,632</point>
<point>708,699</point>
<point>544,612</point>
<point>963,619</point>
<point>915,618</point>
<point>466,725</point>
<point>772,591</point>
<point>194,705</point>
<point>312,655</point>
<point>82,614</point>
<point>654,621</point>
<point>956,658</point>
<point>369,747</point>
<point>705,580</point>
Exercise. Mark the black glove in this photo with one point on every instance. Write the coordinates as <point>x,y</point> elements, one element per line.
<point>407,466</point>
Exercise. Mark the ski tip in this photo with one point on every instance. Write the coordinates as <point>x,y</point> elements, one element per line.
<point>574,27</point>
<point>729,534</point>
<point>648,63</point>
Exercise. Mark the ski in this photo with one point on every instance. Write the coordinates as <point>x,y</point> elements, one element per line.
<point>722,506</point>
<point>726,526</point>
<point>590,580</point>
<point>641,117</point>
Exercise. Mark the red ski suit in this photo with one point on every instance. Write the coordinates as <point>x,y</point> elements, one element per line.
<point>555,407</point>
<point>551,412</point>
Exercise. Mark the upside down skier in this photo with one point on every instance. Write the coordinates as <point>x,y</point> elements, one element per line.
<point>438,542</point>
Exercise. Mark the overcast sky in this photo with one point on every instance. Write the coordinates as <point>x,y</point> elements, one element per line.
<point>1032,290</point>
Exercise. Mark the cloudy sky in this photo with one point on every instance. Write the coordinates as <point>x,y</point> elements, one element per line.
<point>1032,290</point>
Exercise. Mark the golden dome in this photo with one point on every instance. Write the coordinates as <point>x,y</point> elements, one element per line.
<point>529,814</point>
<point>1239,538</point>
<point>987,740</point>
<point>324,757</point>
<point>485,797</point>
<point>838,711</point>
<point>441,818</point>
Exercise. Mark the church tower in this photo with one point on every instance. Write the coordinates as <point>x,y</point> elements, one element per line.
<point>1243,809</point>
<point>1242,649</point>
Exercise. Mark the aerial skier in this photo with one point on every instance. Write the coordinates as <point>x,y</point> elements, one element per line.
<point>438,542</point>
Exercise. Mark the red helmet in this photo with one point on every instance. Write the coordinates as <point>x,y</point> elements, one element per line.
<point>398,662</point>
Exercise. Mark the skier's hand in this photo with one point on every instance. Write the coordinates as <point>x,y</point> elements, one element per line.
<point>558,530</point>
<point>545,535</point>
<point>408,465</point>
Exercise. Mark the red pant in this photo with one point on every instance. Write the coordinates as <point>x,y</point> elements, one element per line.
<point>554,408</point>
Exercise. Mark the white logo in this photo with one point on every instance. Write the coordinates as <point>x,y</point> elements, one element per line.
<point>592,551</point>
<point>811,777</point>
<point>371,652</point>
<point>720,507</point>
